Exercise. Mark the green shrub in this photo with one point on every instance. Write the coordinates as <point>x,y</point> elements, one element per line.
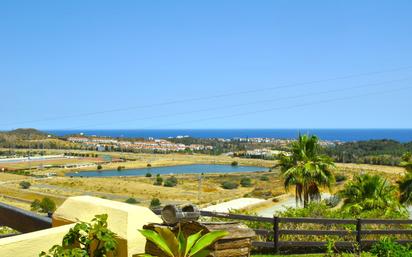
<point>99,167</point>
<point>149,165</point>
<point>119,168</point>
<point>234,163</point>
<point>170,182</point>
<point>388,247</point>
<point>131,200</point>
<point>46,205</point>
<point>155,202</point>
<point>332,201</point>
<point>246,182</point>
<point>158,181</point>
<point>264,178</point>
<point>340,177</point>
<point>148,175</point>
<point>25,184</point>
<point>86,240</point>
<point>230,185</point>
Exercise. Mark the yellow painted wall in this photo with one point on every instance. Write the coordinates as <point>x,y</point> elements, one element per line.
<point>32,244</point>
<point>123,219</point>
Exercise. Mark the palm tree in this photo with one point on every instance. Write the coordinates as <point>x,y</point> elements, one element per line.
<point>306,169</point>
<point>405,185</point>
<point>369,192</point>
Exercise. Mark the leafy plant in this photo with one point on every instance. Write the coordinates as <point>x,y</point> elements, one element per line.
<point>86,240</point>
<point>148,175</point>
<point>178,246</point>
<point>99,167</point>
<point>387,247</point>
<point>370,192</point>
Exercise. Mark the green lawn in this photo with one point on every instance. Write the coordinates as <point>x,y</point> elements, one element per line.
<point>294,255</point>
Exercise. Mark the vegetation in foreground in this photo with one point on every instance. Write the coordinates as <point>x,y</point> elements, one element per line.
<point>86,240</point>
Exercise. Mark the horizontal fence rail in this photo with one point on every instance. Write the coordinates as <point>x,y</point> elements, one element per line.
<point>358,230</point>
<point>21,220</point>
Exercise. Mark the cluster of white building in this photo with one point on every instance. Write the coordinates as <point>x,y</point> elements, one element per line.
<point>151,144</point>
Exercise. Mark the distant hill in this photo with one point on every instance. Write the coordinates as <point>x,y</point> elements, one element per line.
<point>24,134</point>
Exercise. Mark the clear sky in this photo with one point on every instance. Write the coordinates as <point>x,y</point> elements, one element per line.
<point>205,64</point>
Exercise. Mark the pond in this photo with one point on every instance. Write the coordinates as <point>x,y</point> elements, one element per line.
<point>180,169</point>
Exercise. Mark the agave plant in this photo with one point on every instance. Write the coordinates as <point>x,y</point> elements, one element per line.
<point>178,246</point>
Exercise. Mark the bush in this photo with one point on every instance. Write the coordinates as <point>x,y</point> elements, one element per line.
<point>25,184</point>
<point>131,200</point>
<point>99,167</point>
<point>148,175</point>
<point>119,168</point>
<point>155,202</point>
<point>158,181</point>
<point>149,165</point>
<point>246,182</point>
<point>46,205</point>
<point>230,185</point>
<point>340,177</point>
<point>234,163</point>
<point>170,182</point>
<point>264,178</point>
<point>388,247</point>
<point>86,239</point>
<point>332,201</point>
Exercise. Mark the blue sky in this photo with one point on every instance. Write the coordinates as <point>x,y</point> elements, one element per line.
<point>205,64</point>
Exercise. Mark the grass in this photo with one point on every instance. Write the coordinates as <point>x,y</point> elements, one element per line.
<point>293,255</point>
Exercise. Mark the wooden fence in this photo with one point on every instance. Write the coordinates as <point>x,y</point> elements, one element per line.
<point>362,228</point>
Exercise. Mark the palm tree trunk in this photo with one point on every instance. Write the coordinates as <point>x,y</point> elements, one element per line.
<point>305,196</point>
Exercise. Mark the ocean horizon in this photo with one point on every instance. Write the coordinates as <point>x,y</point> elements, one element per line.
<point>344,135</point>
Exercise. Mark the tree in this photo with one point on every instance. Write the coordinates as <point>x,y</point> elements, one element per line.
<point>405,185</point>
<point>46,205</point>
<point>234,163</point>
<point>369,192</point>
<point>25,184</point>
<point>306,169</point>
<point>99,167</point>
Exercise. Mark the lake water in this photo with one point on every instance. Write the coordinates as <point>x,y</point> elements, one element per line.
<point>180,169</point>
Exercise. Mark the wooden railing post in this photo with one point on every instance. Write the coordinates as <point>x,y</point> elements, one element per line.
<point>359,234</point>
<point>276,234</point>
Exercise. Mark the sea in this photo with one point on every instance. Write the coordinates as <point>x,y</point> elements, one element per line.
<point>342,135</point>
